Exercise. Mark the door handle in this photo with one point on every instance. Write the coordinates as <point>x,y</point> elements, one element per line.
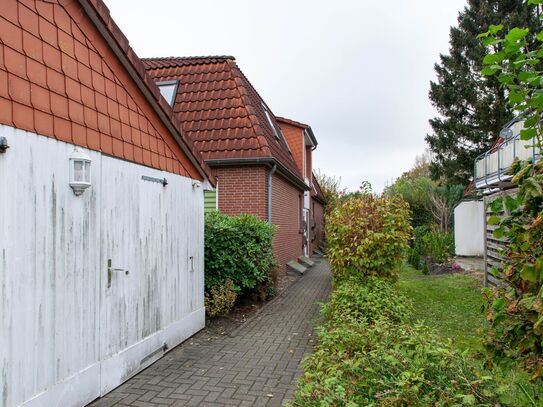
<point>111,270</point>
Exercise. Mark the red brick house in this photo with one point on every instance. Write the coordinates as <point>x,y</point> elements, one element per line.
<point>102,223</point>
<point>241,140</point>
<point>302,141</point>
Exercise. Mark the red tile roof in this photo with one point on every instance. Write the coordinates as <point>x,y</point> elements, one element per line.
<point>221,111</point>
<point>135,63</point>
<point>293,122</point>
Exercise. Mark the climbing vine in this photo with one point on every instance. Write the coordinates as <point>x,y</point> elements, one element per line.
<point>516,309</point>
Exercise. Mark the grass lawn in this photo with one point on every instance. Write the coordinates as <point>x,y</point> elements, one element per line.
<point>449,303</point>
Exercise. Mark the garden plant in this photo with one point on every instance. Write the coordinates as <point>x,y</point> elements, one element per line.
<point>516,310</point>
<point>238,260</point>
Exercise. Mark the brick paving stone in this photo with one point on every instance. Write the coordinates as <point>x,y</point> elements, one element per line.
<point>255,365</point>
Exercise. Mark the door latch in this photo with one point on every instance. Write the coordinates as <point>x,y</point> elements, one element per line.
<point>111,270</point>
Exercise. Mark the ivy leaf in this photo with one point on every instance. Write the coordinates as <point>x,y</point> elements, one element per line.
<point>496,205</point>
<point>529,273</point>
<point>489,70</point>
<point>498,304</point>
<point>495,58</point>
<point>506,79</point>
<point>493,220</point>
<point>532,120</point>
<point>515,97</point>
<point>494,29</point>
<point>516,34</point>
<point>527,134</point>
<point>499,232</point>
<point>511,203</point>
<point>491,41</point>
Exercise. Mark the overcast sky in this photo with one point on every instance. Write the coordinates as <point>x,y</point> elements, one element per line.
<point>357,71</point>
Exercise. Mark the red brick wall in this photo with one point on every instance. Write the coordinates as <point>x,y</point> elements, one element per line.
<point>295,139</point>
<point>243,190</point>
<point>286,215</point>
<point>59,78</point>
<point>318,217</point>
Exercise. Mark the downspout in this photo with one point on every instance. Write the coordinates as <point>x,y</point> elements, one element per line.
<point>270,177</point>
<point>216,193</point>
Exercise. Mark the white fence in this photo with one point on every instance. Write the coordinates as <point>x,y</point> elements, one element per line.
<point>68,332</point>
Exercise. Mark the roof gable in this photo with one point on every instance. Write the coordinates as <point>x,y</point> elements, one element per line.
<point>74,77</point>
<point>221,111</point>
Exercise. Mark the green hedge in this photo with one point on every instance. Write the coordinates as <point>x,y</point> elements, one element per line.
<point>238,248</point>
<point>368,354</point>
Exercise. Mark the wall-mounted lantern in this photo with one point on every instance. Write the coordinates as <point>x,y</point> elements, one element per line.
<point>80,171</point>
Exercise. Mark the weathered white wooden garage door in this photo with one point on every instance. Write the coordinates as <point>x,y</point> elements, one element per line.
<point>96,287</point>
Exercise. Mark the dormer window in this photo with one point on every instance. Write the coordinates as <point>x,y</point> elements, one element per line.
<point>276,130</point>
<point>270,122</point>
<point>168,90</point>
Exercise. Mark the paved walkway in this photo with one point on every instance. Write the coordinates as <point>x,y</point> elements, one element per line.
<point>256,365</point>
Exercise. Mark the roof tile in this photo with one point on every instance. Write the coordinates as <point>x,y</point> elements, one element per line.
<point>220,110</point>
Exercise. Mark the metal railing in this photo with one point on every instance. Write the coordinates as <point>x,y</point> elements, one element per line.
<point>491,166</point>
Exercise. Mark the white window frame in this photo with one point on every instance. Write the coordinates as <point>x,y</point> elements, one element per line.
<point>174,84</point>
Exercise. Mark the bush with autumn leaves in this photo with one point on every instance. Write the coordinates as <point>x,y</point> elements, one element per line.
<point>368,236</point>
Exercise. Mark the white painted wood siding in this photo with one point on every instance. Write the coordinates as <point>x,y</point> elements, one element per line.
<point>65,337</point>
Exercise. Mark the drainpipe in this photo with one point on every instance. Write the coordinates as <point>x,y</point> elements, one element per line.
<point>270,177</point>
<point>216,192</point>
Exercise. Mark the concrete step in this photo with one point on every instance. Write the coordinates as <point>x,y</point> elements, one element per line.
<point>306,260</point>
<point>297,266</point>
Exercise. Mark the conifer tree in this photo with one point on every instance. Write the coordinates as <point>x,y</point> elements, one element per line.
<point>472,109</point>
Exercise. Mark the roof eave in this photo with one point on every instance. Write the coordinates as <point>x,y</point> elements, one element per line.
<point>92,9</point>
<point>320,199</point>
<point>311,135</point>
<point>269,161</point>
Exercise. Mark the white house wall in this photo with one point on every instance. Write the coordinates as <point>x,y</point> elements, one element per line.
<point>469,228</point>
<point>65,337</point>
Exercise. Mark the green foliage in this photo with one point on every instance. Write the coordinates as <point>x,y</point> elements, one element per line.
<point>369,302</point>
<point>515,62</point>
<point>472,109</point>
<point>430,203</point>
<point>516,311</point>
<point>431,243</point>
<point>238,248</point>
<point>368,354</point>
<point>220,299</point>
<point>331,189</point>
<point>451,305</point>
<point>415,191</point>
<point>368,236</point>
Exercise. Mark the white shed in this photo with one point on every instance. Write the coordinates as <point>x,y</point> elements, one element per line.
<point>101,212</point>
<point>469,228</point>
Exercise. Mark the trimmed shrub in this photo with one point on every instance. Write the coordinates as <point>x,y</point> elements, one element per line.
<point>220,299</point>
<point>369,354</point>
<point>369,302</point>
<point>368,236</point>
<point>238,248</point>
